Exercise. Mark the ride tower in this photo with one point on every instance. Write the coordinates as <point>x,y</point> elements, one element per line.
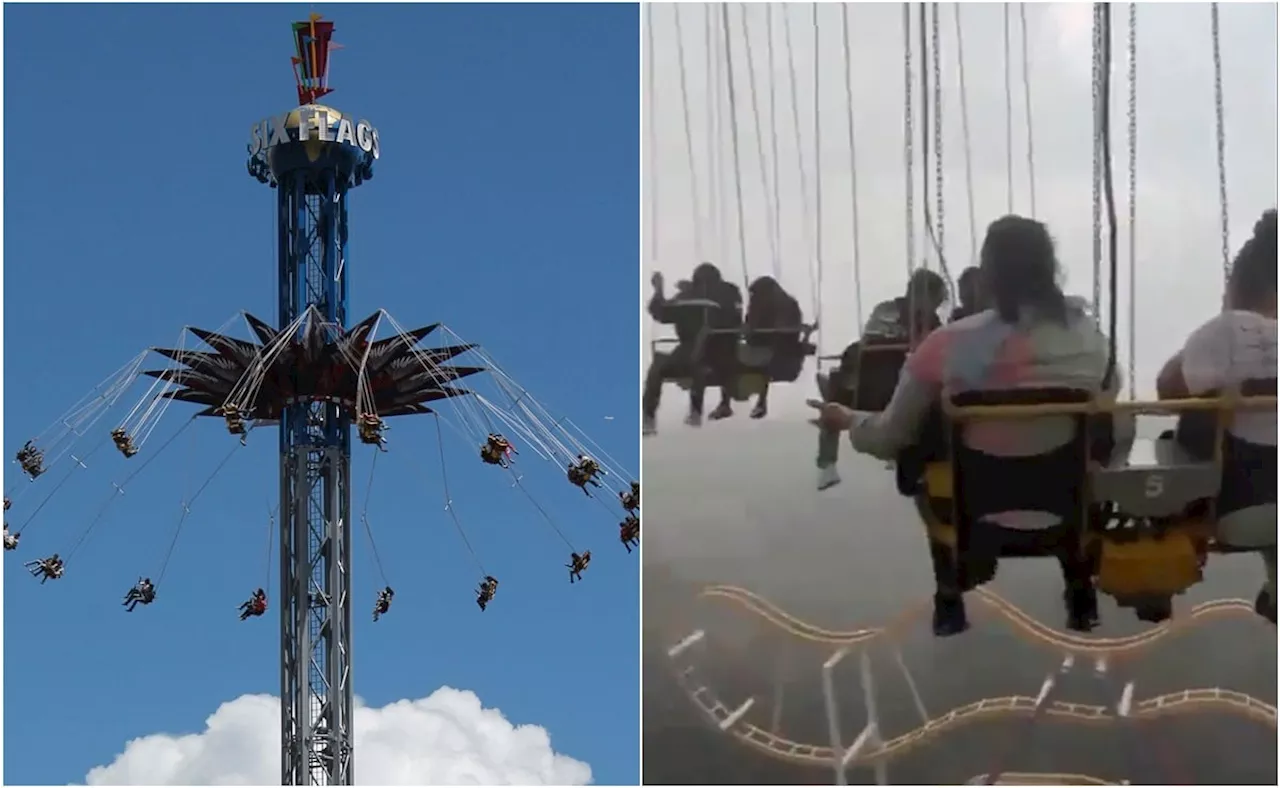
<point>313,156</point>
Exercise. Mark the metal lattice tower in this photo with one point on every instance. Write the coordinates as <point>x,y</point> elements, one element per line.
<point>313,156</point>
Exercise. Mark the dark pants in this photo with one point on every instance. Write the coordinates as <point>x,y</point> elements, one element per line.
<point>717,356</point>
<point>838,390</point>
<point>988,541</point>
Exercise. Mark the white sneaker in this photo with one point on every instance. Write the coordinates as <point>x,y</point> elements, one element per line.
<point>694,419</point>
<point>828,477</point>
<point>649,425</point>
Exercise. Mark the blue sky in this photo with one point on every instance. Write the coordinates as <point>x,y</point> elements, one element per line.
<point>505,204</point>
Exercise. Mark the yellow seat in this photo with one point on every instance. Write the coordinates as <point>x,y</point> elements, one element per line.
<point>1160,565</point>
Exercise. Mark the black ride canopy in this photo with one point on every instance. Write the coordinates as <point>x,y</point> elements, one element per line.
<point>317,365</point>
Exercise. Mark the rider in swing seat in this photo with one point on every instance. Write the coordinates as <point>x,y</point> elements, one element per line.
<point>1032,346</point>
<point>31,459</point>
<point>1236,350</point>
<point>497,450</point>
<point>10,540</point>
<point>144,593</point>
<point>371,428</point>
<point>697,355</point>
<point>256,605</point>
<point>50,568</point>
<point>630,499</point>
<point>771,313</point>
<point>484,594</point>
<point>583,472</point>
<point>124,443</point>
<point>577,565</point>
<point>383,603</point>
<point>629,532</point>
<point>969,291</point>
<point>235,417</point>
<point>869,367</point>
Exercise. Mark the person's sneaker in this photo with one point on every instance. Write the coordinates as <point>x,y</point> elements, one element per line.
<point>649,425</point>
<point>1082,608</point>
<point>760,411</point>
<point>949,617</point>
<point>722,411</point>
<point>694,419</point>
<point>828,476</point>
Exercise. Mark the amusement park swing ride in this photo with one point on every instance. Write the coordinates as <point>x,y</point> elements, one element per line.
<point>314,377</point>
<point>1131,564</point>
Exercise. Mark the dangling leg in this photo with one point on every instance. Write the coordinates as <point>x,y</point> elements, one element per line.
<point>828,455</point>
<point>652,395</point>
<point>1081,598</point>
<point>762,403</point>
<point>697,394</point>
<point>725,409</point>
<point>949,615</point>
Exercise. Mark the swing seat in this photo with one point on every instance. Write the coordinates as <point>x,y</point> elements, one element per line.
<point>1148,564</point>
<point>957,489</point>
<point>867,375</point>
<point>753,368</point>
<point>1155,479</point>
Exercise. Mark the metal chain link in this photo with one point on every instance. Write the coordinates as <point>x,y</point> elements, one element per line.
<point>908,133</point>
<point>1097,164</point>
<point>817,173</point>
<point>853,164</point>
<point>968,148</point>
<point>1221,134</point>
<point>775,216</point>
<point>714,186</point>
<point>1026,101</point>
<point>1133,199</point>
<point>1008,119</point>
<point>740,213</point>
<point>652,129</point>
<point>939,214</point>
<point>926,118</point>
<point>686,107</point>
<point>1221,130</point>
<point>770,189</point>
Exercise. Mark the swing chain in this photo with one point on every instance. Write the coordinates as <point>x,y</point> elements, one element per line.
<point>1221,133</point>
<point>1097,162</point>
<point>1133,198</point>
<point>938,216</point>
<point>908,129</point>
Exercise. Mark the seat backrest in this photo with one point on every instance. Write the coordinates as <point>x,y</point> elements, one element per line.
<point>1055,482</point>
<point>778,352</point>
<point>1248,469</point>
<point>877,365</point>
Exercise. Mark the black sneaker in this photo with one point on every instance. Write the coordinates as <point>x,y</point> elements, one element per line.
<point>1082,608</point>
<point>949,617</point>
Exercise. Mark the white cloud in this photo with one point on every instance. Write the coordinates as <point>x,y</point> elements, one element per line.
<point>448,738</point>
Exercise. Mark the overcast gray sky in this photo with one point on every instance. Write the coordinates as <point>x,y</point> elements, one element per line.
<point>1179,269</point>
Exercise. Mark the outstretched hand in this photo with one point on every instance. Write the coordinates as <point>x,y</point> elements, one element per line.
<point>832,415</point>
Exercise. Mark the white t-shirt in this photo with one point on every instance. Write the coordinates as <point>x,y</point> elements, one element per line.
<point>1231,348</point>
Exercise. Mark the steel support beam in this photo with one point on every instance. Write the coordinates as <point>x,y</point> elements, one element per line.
<point>316,697</point>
